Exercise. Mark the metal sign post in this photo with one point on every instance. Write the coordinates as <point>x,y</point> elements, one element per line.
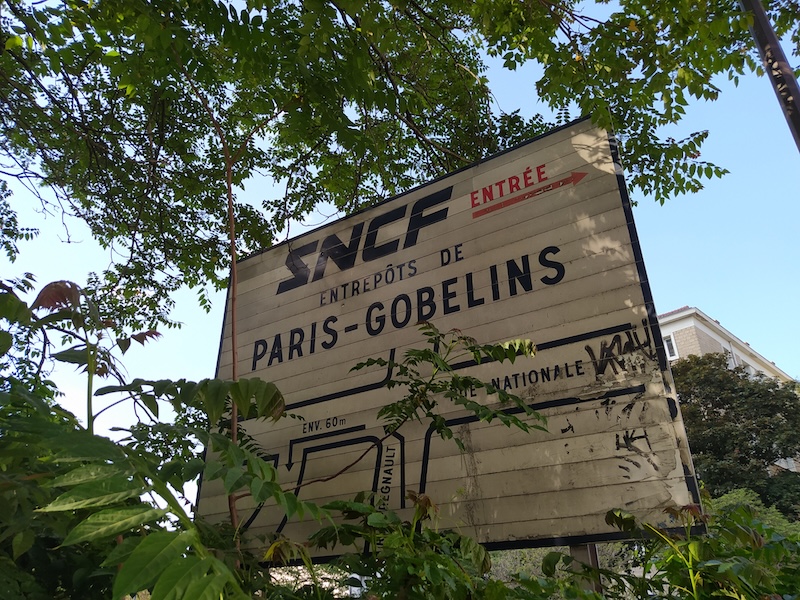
<point>777,67</point>
<point>587,554</point>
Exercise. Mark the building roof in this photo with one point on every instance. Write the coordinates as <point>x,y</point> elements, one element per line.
<point>674,312</point>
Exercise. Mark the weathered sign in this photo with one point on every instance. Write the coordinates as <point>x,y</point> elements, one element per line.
<point>535,243</point>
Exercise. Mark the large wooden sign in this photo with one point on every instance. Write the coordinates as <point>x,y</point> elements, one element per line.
<point>535,243</point>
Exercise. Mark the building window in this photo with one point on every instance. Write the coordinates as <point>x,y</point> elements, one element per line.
<point>669,346</point>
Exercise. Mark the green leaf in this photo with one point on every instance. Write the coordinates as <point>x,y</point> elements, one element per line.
<point>377,520</point>
<point>13,41</point>
<point>13,309</point>
<point>550,562</point>
<point>6,341</point>
<point>177,577</point>
<point>236,454</point>
<point>214,470</point>
<point>314,510</point>
<point>188,392</point>
<point>96,493</point>
<point>270,401</point>
<point>150,558</point>
<point>83,446</point>
<point>150,402</point>
<point>215,394</point>
<point>288,502</point>
<point>193,468</point>
<point>233,479</point>
<point>121,551</point>
<point>621,520</point>
<point>124,344</point>
<point>261,490</point>
<point>208,587</point>
<point>110,522</point>
<point>163,386</point>
<point>133,386</point>
<point>85,475</point>
<point>78,355</point>
<point>22,542</point>
<point>240,394</point>
<point>695,550</point>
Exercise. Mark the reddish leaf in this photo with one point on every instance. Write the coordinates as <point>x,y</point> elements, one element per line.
<point>143,336</point>
<point>58,294</point>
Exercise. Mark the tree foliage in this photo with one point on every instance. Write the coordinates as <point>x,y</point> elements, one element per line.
<point>769,515</point>
<point>147,118</point>
<point>138,114</point>
<point>738,427</point>
<point>84,516</point>
<point>141,116</point>
<point>636,66</point>
<point>738,556</point>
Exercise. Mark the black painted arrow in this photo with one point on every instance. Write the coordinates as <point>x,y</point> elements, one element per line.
<point>319,436</point>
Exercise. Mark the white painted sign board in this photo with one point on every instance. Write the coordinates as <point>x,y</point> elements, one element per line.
<point>536,243</point>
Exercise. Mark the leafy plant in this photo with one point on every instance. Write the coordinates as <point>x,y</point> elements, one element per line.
<point>114,511</point>
<point>429,378</point>
<point>405,559</point>
<point>737,557</point>
<point>82,515</point>
<point>89,516</point>
<point>772,518</point>
<point>146,121</point>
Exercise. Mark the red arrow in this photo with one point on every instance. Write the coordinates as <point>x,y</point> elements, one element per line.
<point>573,178</point>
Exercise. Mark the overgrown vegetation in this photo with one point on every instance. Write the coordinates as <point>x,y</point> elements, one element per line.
<point>145,118</point>
<point>83,516</point>
<point>86,516</point>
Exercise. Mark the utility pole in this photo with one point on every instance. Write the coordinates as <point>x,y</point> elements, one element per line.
<point>775,64</point>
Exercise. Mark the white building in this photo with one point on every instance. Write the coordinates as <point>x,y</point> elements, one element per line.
<point>689,331</point>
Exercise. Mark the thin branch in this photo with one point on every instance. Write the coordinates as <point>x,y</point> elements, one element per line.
<point>383,63</point>
<point>229,162</point>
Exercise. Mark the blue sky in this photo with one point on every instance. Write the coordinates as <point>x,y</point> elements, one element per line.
<point>730,250</point>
